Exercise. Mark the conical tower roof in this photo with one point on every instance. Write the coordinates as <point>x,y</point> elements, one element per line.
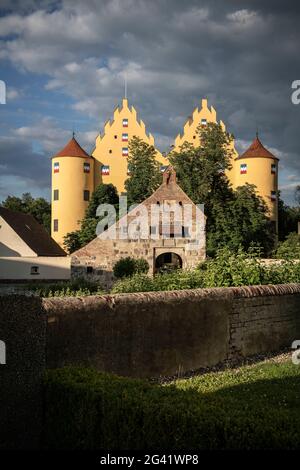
<point>72,149</point>
<point>257,150</point>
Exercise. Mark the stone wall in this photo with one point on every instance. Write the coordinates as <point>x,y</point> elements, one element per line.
<point>162,333</point>
<point>101,255</point>
<point>139,335</point>
<point>23,330</point>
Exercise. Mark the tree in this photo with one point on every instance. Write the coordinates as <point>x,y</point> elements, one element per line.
<point>290,248</point>
<point>297,195</point>
<point>288,218</point>
<point>144,171</point>
<point>234,218</point>
<point>201,170</point>
<point>103,194</point>
<point>242,222</point>
<point>39,208</point>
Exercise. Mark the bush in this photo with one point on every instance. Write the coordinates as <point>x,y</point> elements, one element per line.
<point>290,248</point>
<point>74,288</point>
<point>256,408</point>
<point>227,269</point>
<point>141,266</point>
<point>128,266</point>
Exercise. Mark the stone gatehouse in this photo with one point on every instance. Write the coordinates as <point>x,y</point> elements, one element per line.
<point>176,243</point>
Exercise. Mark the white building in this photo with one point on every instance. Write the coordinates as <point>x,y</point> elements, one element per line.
<point>27,252</point>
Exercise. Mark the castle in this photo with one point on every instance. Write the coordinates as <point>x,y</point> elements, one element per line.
<point>75,174</point>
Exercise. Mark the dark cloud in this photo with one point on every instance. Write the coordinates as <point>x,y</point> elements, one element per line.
<point>242,55</point>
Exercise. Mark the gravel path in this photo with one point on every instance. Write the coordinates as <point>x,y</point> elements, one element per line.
<point>277,357</point>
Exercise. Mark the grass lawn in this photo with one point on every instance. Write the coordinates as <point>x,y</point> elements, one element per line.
<point>252,407</point>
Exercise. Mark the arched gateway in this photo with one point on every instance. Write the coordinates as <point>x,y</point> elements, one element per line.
<point>167,261</point>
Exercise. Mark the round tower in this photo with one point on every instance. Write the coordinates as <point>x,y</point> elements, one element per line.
<point>259,166</point>
<point>72,187</point>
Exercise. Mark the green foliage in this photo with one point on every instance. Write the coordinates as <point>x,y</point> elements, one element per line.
<point>145,175</point>
<point>74,288</point>
<point>227,269</point>
<point>254,407</point>
<point>141,265</point>
<point>234,218</point>
<point>103,194</point>
<point>241,222</point>
<point>288,218</point>
<point>290,248</point>
<point>39,208</point>
<point>297,195</point>
<point>128,266</point>
<point>201,170</point>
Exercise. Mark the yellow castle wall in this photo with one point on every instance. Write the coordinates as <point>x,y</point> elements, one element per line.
<point>259,173</point>
<point>108,149</point>
<point>71,181</point>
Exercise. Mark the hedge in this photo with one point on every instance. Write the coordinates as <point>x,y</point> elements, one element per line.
<point>249,408</point>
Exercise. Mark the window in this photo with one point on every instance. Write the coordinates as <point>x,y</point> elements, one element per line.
<point>194,137</point>
<point>55,195</point>
<point>34,270</point>
<point>55,225</point>
<point>115,136</point>
<point>203,122</point>
<point>89,269</point>
<point>110,151</point>
<point>56,167</point>
<point>273,168</point>
<point>86,195</point>
<point>243,168</point>
<point>273,195</point>
<point>185,232</point>
<point>124,137</point>
<point>86,167</point>
<point>163,168</point>
<point>125,122</point>
<point>105,170</point>
<point>152,230</point>
<point>125,151</point>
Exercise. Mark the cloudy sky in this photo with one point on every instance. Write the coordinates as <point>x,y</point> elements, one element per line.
<point>64,64</point>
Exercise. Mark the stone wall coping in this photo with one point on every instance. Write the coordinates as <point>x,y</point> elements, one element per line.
<point>52,305</point>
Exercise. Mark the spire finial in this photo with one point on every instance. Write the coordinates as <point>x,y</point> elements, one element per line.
<point>73,134</point>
